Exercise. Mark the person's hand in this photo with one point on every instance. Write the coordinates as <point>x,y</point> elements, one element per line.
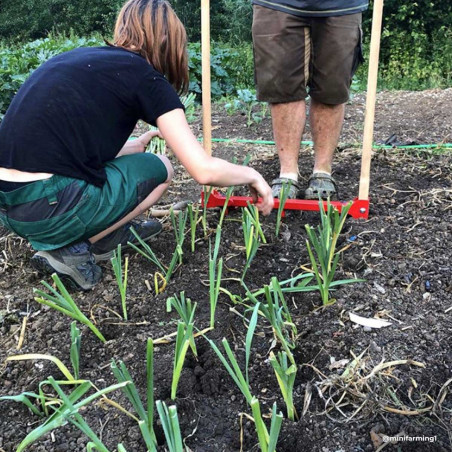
<point>260,188</point>
<point>148,136</point>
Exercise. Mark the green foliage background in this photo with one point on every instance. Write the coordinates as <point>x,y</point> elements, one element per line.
<point>416,46</point>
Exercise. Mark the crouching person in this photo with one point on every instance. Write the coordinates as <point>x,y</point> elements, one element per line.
<point>70,181</point>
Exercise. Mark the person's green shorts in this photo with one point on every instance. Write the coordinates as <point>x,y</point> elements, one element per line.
<point>54,212</point>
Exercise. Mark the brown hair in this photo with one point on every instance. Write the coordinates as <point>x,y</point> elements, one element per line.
<point>152,29</point>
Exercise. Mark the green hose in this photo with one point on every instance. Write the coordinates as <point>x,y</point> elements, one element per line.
<point>310,143</point>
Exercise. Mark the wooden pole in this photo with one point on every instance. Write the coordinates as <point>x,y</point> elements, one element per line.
<point>205,54</point>
<point>370,100</point>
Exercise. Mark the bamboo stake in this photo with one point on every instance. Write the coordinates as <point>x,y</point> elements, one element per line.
<point>370,100</point>
<point>206,98</point>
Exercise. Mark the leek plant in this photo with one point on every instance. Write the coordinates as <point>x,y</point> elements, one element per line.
<point>147,252</point>
<point>215,273</point>
<point>183,340</point>
<point>279,318</point>
<point>252,234</point>
<point>285,374</point>
<point>284,194</point>
<point>249,339</point>
<point>91,447</point>
<point>193,214</point>
<point>158,145</point>
<point>75,349</point>
<point>323,241</point>
<point>233,368</point>
<point>69,412</point>
<point>145,417</point>
<point>207,192</point>
<point>186,310</point>
<point>43,398</point>
<point>64,303</point>
<point>170,424</point>
<point>267,440</point>
<point>121,277</point>
<point>179,231</point>
<point>189,103</point>
<point>228,195</point>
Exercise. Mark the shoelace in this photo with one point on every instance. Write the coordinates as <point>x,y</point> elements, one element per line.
<point>79,248</point>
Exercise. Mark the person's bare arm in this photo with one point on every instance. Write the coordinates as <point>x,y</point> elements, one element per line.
<point>138,145</point>
<point>208,170</point>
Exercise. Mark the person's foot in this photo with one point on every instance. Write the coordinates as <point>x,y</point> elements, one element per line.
<point>290,184</point>
<point>73,261</point>
<point>103,249</point>
<point>321,185</point>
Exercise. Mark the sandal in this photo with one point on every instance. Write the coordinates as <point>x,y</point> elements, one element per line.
<point>277,185</point>
<point>321,185</point>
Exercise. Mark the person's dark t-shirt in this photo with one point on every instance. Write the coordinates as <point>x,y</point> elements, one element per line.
<point>76,111</point>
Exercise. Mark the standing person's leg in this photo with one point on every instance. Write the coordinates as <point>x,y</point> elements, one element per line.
<point>288,121</point>
<point>336,44</point>
<point>326,125</point>
<point>281,65</point>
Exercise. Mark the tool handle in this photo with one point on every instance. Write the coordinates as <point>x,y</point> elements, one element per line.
<point>370,100</point>
<point>206,85</point>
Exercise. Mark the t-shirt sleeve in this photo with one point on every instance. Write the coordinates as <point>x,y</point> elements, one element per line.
<point>156,97</point>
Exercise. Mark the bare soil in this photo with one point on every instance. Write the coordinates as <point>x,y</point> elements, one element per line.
<point>402,251</point>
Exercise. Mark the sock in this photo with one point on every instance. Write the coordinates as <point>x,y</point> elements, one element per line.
<point>292,176</point>
<point>321,172</point>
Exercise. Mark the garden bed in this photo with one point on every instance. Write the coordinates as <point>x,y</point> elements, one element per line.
<point>402,251</point>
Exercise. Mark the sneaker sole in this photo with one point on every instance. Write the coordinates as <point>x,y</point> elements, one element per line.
<point>109,254</point>
<point>44,263</point>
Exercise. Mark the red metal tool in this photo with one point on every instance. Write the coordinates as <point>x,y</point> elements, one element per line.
<point>359,208</point>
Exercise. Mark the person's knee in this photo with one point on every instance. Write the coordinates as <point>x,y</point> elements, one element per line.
<point>169,167</point>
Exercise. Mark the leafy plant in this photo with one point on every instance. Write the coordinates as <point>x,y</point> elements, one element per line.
<point>64,303</point>
<point>121,277</point>
<point>267,440</point>
<point>323,241</point>
<point>246,101</point>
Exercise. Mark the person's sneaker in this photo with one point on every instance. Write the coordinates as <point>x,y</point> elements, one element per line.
<point>103,249</point>
<point>74,261</point>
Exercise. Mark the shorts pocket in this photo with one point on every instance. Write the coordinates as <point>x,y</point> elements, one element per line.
<point>51,233</point>
<point>358,58</point>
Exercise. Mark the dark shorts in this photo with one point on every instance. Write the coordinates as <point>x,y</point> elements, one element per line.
<point>60,210</point>
<point>295,55</point>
